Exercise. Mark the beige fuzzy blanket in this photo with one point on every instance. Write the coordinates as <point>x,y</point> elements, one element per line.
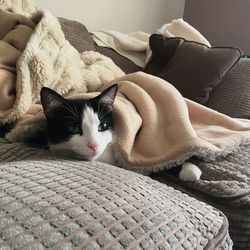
<point>135,45</point>
<point>23,7</point>
<point>158,128</point>
<point>155,126</point>
<point>33,54</point>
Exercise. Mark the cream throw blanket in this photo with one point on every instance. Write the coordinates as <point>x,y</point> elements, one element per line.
<point>33,54</point>
<point>156,127</point>
<point>23,7</point>
<point>135,45</point>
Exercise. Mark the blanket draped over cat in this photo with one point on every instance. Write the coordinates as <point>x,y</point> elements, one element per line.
<point>156,127</point>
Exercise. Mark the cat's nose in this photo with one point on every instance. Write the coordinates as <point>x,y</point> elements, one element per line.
<point>93,146</point>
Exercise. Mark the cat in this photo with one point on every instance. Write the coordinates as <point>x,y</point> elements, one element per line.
<point>84,128</point>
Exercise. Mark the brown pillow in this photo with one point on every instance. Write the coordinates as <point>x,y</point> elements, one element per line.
<point>77,34</point>
<point>193,68</point>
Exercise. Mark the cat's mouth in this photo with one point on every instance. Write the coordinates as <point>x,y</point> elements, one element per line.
<point>91,157</point>
<point>73,154</point>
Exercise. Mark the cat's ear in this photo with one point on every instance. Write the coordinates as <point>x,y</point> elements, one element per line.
<point>50,100</point>
<point>107,97</point>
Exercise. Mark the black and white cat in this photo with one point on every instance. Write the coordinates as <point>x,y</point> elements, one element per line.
<point>84,129</point>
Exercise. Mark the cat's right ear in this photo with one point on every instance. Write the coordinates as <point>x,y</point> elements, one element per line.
<point>50,100</point>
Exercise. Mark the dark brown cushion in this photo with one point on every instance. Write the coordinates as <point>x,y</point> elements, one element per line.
<point>124,63</point>
<point>232,95</point>
<point>193,68</point>
<point>77,34</point>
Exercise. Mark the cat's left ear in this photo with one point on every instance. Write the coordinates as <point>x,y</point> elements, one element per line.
<point>50,100</point>
<point>107,97</point>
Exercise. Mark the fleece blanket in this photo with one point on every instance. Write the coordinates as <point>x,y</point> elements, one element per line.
<point>23,7</point>
<point>155,126</point>
<point>180,28</point>
<point>135,45</point>
<point>34,53</point>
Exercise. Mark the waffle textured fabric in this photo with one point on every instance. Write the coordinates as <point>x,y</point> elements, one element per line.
<point>232,95</point>
<point>224,184</point>
<point>68,204</point>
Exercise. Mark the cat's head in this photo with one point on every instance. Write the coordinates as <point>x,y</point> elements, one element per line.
<point>79,128</point>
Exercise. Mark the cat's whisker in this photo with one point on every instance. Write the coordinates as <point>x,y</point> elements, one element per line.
<point>73,115</point>
<point>77,113</point>
<point>69,108</point>
<point>102,115</point>
<point>112,142</point>
<point>98,110</point>
<point>110,145</point>
<point>71,111</point>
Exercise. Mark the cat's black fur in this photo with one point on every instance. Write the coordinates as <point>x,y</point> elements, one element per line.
<point>62,113</point>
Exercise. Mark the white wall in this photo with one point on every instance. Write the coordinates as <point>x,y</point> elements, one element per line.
<point>120,15</point>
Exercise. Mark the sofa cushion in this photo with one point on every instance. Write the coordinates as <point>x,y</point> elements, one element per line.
<point>224,184</point>
<point>232,95</point>
<point>193,68</point>
<point>68,204</point>
<point>124,63</point>
<point>77,34</point>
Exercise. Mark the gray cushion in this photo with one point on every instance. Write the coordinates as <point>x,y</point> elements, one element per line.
<point>232,95</point>
<point>224,184</point>
<point>77,34</point>
<point>124,63</point>
<point>67,204</point>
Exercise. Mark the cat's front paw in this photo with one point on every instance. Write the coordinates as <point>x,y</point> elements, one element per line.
<point>189,172</point>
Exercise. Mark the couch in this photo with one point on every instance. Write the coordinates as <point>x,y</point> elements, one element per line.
<point>225,180</point>
<point>50,202</point>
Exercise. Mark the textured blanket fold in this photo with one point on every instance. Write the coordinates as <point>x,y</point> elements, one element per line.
<point>132,45</point>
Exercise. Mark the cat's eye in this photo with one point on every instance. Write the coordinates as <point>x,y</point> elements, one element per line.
<point>103,126</point>
<point>73,129</point>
